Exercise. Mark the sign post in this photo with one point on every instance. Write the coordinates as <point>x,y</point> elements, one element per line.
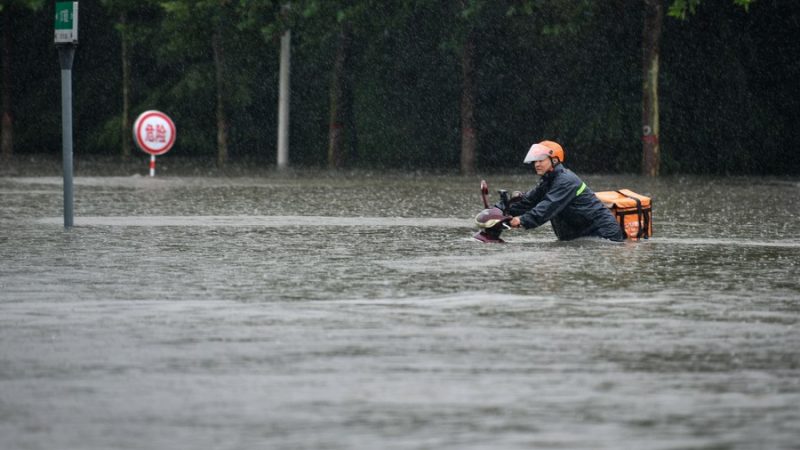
<point>66,39</point>
<point>154,133</point>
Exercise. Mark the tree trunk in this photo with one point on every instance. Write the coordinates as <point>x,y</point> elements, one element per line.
<point>468,139</point>
<point>7,138</point>
<point>651,157</point>
<point>126,87</point>
<point>341,103</point>
<point>222,120</point>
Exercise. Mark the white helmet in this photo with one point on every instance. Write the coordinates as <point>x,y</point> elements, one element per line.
<point>544,149</point>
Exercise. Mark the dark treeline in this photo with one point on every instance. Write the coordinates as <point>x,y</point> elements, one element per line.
<point>387,84</point>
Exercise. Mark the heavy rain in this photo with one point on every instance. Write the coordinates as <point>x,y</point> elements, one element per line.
<point>223,295</point>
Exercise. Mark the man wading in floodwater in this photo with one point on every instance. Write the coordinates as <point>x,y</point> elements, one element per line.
<point>562,198</point>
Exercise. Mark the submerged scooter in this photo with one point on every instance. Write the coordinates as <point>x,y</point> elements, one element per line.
<point>493,219</point>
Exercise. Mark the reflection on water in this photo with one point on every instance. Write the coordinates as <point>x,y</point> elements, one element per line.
<point>344,312</point>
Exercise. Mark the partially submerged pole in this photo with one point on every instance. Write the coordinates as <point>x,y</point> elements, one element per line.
<point>66,55</point>
<point>66,39</point>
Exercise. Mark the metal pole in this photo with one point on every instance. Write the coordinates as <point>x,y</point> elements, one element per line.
<point>283,100</point>
<point>66,54</point>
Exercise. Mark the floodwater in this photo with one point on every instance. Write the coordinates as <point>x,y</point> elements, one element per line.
<point>352,311</point>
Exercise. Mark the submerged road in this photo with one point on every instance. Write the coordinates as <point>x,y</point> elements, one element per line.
<point>309,312</point>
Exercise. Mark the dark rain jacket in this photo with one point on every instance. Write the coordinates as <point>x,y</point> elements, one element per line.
<point>571,207</point>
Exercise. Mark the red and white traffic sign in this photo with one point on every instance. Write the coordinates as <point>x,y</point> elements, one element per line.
<point>154,132</point>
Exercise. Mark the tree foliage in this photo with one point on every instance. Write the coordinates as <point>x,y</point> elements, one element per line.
<point>569,71</point>
<point>34,5</point>
<point>681,9</point>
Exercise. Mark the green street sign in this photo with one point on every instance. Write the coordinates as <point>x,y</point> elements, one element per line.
<point>66,25</point>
